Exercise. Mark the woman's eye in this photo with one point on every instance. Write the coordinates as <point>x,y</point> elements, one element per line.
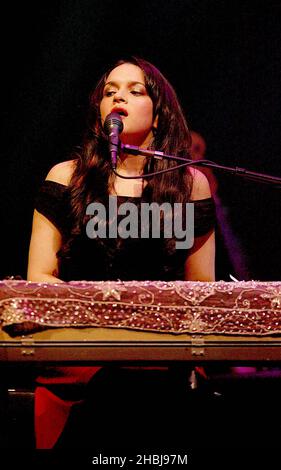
<point>135,92</point>
<point>109,93</point>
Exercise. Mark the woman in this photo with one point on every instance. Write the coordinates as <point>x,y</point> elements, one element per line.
<point>152,118</point>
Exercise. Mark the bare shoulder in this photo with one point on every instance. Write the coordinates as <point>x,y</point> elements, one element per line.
<point>200,186</point>
<point>62,172</point>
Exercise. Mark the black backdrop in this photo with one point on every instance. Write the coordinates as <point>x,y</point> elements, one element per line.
<point>224,59</point>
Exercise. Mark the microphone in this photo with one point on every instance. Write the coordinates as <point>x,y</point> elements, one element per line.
<point>113,126</point>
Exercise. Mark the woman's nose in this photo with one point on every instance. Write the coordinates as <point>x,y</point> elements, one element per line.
<point>120,96</point>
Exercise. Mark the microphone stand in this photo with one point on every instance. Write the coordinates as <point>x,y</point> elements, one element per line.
<point>252,175</point>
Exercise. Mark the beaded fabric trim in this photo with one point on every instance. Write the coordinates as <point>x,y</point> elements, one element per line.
<point>234,308</point>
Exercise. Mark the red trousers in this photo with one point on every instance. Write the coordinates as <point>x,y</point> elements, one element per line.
<point>51,411</point>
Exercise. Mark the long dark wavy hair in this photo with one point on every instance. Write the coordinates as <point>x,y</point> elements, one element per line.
<point>93,176</point>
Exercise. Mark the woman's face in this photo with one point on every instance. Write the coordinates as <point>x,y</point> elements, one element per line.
<point>126,94</point>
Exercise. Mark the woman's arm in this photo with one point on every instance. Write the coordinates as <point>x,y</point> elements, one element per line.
<point>46,239</point>
<point>200,263</point>
<point>44,244</point>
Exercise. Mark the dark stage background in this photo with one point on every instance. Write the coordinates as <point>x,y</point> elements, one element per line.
<point>223,58</point>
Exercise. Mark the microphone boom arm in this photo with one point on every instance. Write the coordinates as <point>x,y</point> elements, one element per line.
<point>252,175</point>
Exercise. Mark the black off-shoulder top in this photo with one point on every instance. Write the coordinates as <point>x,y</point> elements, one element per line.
<point>112,258</point>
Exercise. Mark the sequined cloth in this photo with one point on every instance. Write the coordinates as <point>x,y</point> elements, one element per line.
<point>234,308</point>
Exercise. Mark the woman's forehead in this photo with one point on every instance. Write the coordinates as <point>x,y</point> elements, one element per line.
<point>126,72</point>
